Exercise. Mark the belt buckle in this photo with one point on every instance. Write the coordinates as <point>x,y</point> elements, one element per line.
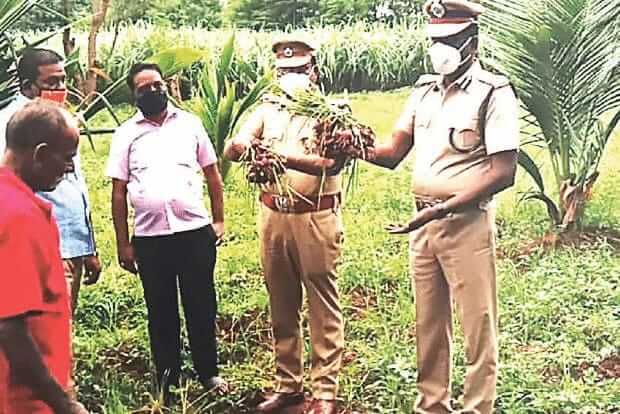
<point>283,204</point>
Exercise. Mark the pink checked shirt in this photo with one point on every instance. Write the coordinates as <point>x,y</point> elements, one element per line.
<point>162,166</point>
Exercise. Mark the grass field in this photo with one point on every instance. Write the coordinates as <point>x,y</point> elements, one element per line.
<point>560,310</point>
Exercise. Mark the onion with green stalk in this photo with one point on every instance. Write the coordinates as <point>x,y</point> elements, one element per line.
<point>263,165</point>
<point>338,134</point>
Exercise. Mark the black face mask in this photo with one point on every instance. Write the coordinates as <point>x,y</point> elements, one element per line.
<point>152,102</point>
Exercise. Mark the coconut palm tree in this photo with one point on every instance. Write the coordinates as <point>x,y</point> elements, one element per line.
<point>563,57</point>
<point>218,103</point>
<point>10,12</point>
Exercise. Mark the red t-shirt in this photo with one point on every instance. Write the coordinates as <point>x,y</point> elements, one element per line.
<point>32,284</point>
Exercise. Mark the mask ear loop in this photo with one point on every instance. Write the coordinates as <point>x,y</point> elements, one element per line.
<point>463,46</point>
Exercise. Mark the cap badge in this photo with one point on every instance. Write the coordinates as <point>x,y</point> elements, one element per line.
<point>288,52</point>
<point>438,10</point>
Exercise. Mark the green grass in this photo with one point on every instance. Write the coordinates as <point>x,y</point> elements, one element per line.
<point>560,311</point>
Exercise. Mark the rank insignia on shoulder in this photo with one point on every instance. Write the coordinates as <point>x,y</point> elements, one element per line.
<point>274,100</point>
<point>437,9</point>
<point>495,80</point>
<point>426,79</point>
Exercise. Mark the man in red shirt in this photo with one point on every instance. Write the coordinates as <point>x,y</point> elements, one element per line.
<point>35,356</point>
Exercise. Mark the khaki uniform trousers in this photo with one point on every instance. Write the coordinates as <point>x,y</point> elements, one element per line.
<point>454,259</point>
<point>296,250</point>
<point>74,269</point>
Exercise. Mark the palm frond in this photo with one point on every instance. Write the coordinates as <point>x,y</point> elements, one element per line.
<point>218,102</point>
<point>564,60</point>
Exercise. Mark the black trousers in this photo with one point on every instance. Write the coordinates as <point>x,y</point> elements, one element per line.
<point>181,261</point>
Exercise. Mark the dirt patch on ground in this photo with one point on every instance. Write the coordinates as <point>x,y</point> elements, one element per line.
<point>583,239</point>
<point>127,358</point>
<point>229,328</point>
<point>349,357</point>
<point>361,302</point>
<point>250,400</point>
<point>608,368</point>
<point>303,408</point>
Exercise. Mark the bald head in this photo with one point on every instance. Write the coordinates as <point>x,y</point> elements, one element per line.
<point>38,122</point>
<point>41,141</point>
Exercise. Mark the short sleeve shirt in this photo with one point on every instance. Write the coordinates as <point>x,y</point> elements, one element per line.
<point>162,167</point>
<point>445,126</point>
<point>70,198</point>
<point>288,134</point>
<point>32,285</point>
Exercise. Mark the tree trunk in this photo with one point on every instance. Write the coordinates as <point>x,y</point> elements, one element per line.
<point>573,201</point>
<point>68,44</point>
<point>100,9</point>
<point>174,87</point>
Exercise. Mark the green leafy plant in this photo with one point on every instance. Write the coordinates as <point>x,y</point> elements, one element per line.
<point>218,104</point>
<point>11,11</point>
<point>563,58</point>
<point>357,57</point>
<point>274,14</point>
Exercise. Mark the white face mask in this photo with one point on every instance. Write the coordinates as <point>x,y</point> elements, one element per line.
<point>294,82</point>
<point>447,59</point>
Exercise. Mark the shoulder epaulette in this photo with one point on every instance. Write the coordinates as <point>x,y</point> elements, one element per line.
<point>426,80</point>
<point>496,81</point>
<point>272,99</point>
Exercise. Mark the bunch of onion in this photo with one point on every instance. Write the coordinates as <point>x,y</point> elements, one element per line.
<point>263,165</point>
<point>337,132</point>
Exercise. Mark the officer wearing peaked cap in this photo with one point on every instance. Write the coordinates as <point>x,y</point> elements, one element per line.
<point>463,124</point>
<point>300,240</point>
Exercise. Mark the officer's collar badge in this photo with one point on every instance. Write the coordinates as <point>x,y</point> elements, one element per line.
<point>437,9</point>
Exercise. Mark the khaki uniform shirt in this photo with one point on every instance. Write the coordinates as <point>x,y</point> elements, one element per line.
<point>287,134</point>
<point>433,114</point>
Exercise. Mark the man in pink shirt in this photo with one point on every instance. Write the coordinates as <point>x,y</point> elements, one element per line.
<point>155,160</point>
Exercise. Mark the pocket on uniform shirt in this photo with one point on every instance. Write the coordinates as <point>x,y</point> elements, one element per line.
<point>422,118</point>
<point>465,136</point>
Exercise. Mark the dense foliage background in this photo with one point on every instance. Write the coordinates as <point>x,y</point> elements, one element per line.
<point>273,14</point>
<point>559,290</point>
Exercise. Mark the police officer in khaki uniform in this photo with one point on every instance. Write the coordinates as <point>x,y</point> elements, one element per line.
<point>300,239</point>
<point>463,123</point>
